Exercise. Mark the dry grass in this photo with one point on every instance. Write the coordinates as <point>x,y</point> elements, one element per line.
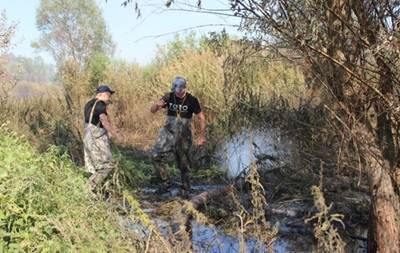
<point>224,83</point>
<point>329,240</point>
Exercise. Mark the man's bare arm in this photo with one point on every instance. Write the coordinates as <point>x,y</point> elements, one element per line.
<point>202,135</point>
<point>108,126</point>
<point>157,106</point>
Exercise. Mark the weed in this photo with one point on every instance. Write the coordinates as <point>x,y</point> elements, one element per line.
<point>325,232</point>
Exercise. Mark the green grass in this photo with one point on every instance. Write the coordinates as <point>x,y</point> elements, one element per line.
<point>45,205</point>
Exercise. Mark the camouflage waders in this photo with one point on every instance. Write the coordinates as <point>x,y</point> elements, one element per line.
<point>97,152</point>
<point>173,144</point>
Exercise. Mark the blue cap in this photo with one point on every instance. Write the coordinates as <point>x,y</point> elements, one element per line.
<point>104,88</point>
<point>178,84</point>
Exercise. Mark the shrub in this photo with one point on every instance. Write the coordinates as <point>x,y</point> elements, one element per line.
<point>45,205</point>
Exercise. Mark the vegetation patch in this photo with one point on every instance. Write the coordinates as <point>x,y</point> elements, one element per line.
<point>45,205</point>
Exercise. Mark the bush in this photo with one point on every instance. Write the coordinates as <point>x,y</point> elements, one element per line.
<point>45,205</point>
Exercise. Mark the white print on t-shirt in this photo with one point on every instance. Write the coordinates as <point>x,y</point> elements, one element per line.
<point>175,107</point>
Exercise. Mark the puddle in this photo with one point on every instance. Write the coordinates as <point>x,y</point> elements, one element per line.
<point>206,239</point>
<point>211,240</point>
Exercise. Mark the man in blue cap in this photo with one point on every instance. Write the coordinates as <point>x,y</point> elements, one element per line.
<point>175,138</point>
<point>96,140</point>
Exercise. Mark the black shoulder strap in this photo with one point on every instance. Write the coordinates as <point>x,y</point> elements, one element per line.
<point>91,113</point>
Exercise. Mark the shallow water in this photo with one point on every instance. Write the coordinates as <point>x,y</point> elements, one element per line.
<point>207,239</point>
<point>269,150</point>
<point>294,235</point>
<point>210,239</point>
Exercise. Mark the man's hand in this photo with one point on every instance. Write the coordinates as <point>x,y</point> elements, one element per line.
<point>118,137</point>
<point>112,132</point>
<point>202,136</point>
<point>158,105</point>
<point>202,141</point>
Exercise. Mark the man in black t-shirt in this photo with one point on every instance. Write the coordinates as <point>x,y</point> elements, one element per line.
<point>96,140</point>
<point>175,138</point>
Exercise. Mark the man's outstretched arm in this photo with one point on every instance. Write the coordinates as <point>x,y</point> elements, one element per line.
<point>112,132</point>
<point>202,136</point>
<point>157,105</point>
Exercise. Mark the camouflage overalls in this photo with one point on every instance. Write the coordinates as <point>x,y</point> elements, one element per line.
<point>173,144</point>
<point>97,152</point>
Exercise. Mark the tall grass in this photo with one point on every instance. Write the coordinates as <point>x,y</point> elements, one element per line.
<point>229,80</point>
<point>236,80</point>
<point>45,205</point>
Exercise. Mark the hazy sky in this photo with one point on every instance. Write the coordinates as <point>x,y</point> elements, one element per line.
<point>135,38</point>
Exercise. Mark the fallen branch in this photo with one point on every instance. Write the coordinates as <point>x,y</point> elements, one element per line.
<point>203,197</point>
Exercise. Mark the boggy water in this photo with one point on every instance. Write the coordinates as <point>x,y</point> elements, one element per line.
<point>212,239</point>
<point>207,239</point>
<point>268,149</point>
<point>293,236</point>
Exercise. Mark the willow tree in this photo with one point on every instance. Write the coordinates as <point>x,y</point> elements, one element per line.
<point>72,30</point>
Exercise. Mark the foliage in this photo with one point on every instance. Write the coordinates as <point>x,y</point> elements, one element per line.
<point>7,32</point>
<point>28,90</point>
<point>7,81</point>
<point>156,240</point>
<point>130,173</point>
<point>176,48</point>
<point>97,68</point>
<point>72,30</point>
<point>47,207</point>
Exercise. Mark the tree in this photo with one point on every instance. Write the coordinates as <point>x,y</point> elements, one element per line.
<point>177,47</point>
<point>96,68</point>
<point>72,29</point>
<point>6,32</point>
<point>352,50</point>
<point>7,81</point>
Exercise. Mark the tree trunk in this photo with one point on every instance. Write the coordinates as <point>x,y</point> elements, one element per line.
<point>384,223</point>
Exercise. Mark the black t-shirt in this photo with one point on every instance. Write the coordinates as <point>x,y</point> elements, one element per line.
<point>98,110</point>
<point>185,107</point>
